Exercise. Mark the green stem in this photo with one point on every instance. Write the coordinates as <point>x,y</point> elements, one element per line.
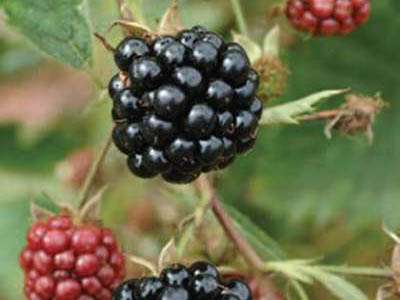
<point>240,19</point>
<point>84,194</point>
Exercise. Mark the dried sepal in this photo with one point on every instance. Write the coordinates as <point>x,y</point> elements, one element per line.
<point>171,22</point>
<point>39,213</point>
<point>90,212</point>
<point>167,254</point>
<point>271,43</point>
<point>144,263</point>
<point>104,42</point>
<point>252,49</point>
<point>356,116</point>
<point>135,29</point>
<point>274,76</point>
<point>385,292</point>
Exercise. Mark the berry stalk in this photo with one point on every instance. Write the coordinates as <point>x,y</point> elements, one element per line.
<point>84,194</point>
<point>240,19</point>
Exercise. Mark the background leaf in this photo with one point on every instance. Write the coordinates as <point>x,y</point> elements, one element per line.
<point>57,28</point>
<point>266,246</point>
<point>338,286</point>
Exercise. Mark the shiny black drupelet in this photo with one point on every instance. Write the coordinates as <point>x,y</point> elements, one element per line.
<point>183,105</point>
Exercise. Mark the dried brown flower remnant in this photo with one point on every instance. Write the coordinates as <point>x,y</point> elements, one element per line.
<point>273,77</point>
<point>356,116</point>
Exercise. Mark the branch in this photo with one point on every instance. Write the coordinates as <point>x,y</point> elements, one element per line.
<point>204,186</point>
<point>84,194</point>
<point>320,116</point>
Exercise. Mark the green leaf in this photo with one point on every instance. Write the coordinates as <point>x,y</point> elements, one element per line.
<point>362,271</point>
<point>264,244</point>
<point>337,285</point>
<point>56,27</point>
<point>252,48</point>
<point>292,269</point>
<point>287,113</point>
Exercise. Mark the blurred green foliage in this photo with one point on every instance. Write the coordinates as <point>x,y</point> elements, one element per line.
<point>316,197</point>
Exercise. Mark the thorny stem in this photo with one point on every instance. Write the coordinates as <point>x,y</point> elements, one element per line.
<point>94,170</point>
<point>240,19</point>
<point>244,248</point>
<point>206,189</point>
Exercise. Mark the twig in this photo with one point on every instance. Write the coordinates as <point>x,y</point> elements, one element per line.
<point>322,115</point>
<point>244,248</point>
<point>240,19</point>
<point>84,194</point>
<point>206,189</point>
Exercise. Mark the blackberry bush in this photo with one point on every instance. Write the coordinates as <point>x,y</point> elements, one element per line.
<point>183,104</point>
<point>66,261</point>
<point>328,17</point>
<point>200,281</point>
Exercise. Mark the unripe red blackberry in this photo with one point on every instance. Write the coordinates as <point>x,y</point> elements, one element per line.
<point>176,282</point>
<point>66,261</point>
<point>183,104</point>
<point>327,17</point>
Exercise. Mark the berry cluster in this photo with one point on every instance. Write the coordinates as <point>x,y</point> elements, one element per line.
<point>200,281</point>
<point>328,17</point>
<point>183,105</point>
<point>63,261</point>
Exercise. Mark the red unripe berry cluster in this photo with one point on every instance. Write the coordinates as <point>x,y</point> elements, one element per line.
<point>328,17</point>
<point>64,261</point>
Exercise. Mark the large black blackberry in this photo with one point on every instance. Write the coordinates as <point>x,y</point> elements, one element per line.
<point>183,105</point>
<point>201,281</point>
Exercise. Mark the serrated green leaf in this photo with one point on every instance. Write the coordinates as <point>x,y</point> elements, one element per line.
<point>271,42</point>
<point>287,113</point>
<point>253,50</point>
<point>291,269</point>
<point>362,271</point>
<point>338,286</point>
<point>57,28</point>
<point>265,245</point>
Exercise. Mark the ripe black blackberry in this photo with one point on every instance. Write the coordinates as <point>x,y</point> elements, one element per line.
<point>200,281</point>
<point>183,105</point>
